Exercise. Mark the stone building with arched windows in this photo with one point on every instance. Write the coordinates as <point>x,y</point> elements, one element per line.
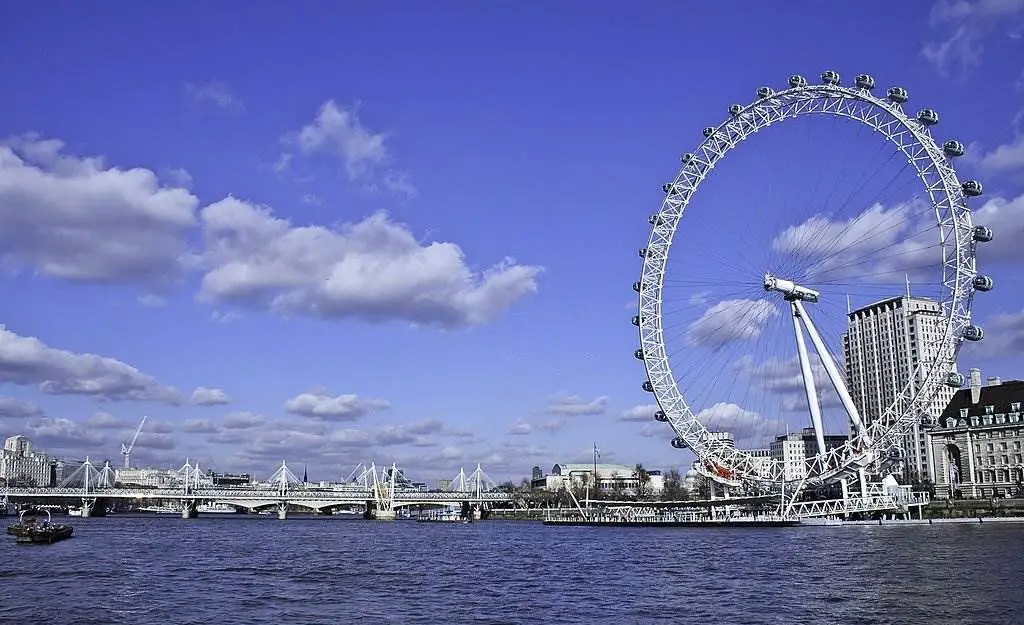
<point>979,441</point>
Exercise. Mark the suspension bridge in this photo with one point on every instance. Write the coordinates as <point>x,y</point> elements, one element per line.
<point>381,492</point>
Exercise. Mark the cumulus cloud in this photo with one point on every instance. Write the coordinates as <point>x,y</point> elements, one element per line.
<point>968,26</point>
<point>27,360</point>
<point>415,434</point>
<point>347,407</point>
<point>106,421</point>
<point>523,428</point>
<point>1008,157</point>
<point>374,270</point>
<point>242,421</point>
<point>80,220</point>
<point>203,396</point>
<point>199,426</point>
<point>641,413</point>
<point>1004,336</point>
<point>742,423</point>
<point>11,408</point>
<point>731,320</point>
<point>574,405</point>
<point>878,245</point>
<point>48,433</point>
<point>338,132</point>
<point>783,378</point>
<point>215,93</point>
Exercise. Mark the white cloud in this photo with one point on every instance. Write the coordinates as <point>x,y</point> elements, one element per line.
<point>878,245</point>
<point>1008,157</point>
<point>1004,336</point>
<point>216,93</point>
<point>339,133</point>
<point>412,434</point>
<point>574,405</point>
<point>11,408</point>
<point>203,396</point>
<point>523,428</point>
<point>106,421</point>
<point>199,426</point>
<point>1006,219</point>
<point>242,421</point>
<point>373,270</point>
<point>968,26</point>
<point>179,177</point>
<point>62,434</point>
<point>77,219</point>
<point>642,413</point>
<point>27,360</point>
<point>731,320</point>
<point>783,378</point>
<point>742,423</point>
<point>338,408</point>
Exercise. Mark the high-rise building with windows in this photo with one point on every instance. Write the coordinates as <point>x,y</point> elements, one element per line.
<point>882,348</point>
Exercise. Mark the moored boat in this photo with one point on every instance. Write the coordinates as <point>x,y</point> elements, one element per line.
<point>30,529</point>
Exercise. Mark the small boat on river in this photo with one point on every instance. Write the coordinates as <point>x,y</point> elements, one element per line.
<point>30,529</point>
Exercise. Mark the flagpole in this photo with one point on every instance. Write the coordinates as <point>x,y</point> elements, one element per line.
<point>595,468</point>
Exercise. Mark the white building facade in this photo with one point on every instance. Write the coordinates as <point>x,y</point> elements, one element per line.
<point>21,463</point>
<point>979,444</point>
<point>882,348</point>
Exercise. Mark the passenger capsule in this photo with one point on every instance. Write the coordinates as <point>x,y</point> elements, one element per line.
<point>655,219</point>
<point>898,95</point>
<point>687,158</point>
<point>865,81</point>
<point>983,283</point>
<point>972,188</point>
<point>643,252</point>
<point>830,77</point>
<point>647,386</point>
<point>796,81</point>
<point>637,320</point>
<point>928,117</point>
<point>954,379</point>
<point>638,286</point>
<point>953,148</point>
<point>659,415</point>
<point>638,354</point>
<point>982,234</point>
<point>735,109</point>
<point>928,422</point>
<point>973,333</point>
<point>765,92</point>
<point>679,443</point>
<point>709,131</point>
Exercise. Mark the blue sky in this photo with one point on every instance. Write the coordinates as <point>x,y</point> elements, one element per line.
<point>408,233</point>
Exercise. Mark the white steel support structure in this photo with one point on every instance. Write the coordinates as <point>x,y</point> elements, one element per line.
<point>957,238</point>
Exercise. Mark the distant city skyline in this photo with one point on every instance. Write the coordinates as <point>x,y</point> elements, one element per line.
<point>301,237</point>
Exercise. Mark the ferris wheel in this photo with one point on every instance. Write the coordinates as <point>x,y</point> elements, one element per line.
<point>746,327</point>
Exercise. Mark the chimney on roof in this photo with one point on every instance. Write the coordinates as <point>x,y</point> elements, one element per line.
<point>975,385</point>
<point>994,381</point>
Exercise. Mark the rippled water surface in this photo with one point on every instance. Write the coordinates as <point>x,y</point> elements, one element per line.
<point>304,571</point>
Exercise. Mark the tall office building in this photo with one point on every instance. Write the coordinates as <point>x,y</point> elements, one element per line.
<point>882,347</point>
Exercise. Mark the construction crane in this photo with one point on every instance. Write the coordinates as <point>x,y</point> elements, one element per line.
<point>126,450</point>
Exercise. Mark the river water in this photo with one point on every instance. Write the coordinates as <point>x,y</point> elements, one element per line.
<point>307,571</point>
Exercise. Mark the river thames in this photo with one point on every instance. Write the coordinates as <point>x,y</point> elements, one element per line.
<point>305,571</point>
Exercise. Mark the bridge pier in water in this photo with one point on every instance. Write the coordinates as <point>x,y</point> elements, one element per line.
<point>189,509</point>
<point>93,506</point>
<point>282,510</point>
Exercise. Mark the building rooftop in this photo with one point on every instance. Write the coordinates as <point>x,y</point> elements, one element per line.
<point>999,395</point>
